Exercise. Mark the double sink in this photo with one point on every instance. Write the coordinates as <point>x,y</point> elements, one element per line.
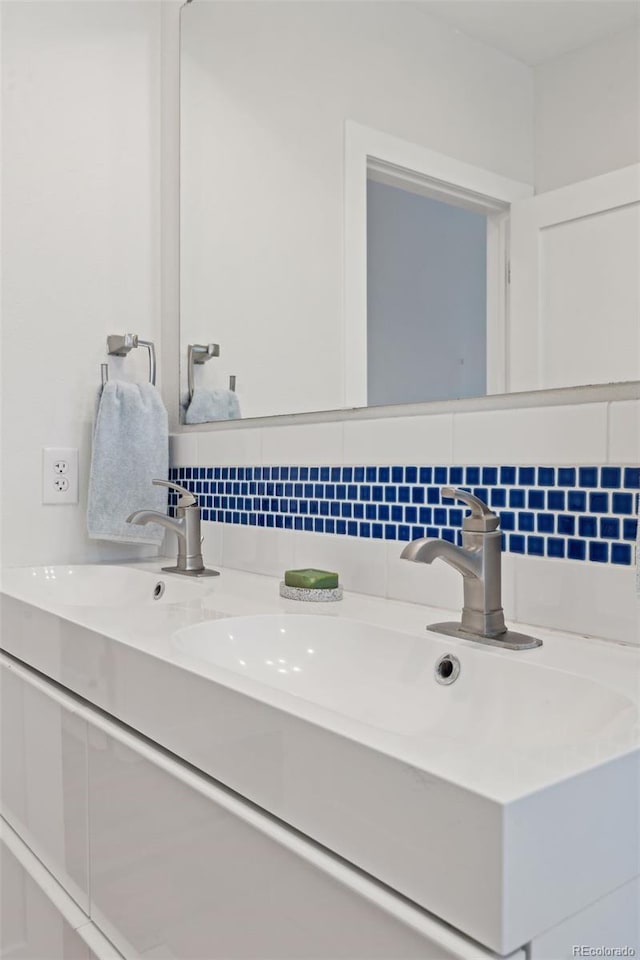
<point>475,781</point>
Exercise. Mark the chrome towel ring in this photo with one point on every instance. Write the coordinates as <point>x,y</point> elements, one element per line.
<point>120,345</point>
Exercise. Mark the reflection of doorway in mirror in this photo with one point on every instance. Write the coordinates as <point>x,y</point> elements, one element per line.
<point>426,272</point>
<point>426,298</point>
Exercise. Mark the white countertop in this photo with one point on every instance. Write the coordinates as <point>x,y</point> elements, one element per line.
<point>516,769</point>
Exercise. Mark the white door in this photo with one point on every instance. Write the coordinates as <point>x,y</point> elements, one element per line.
<point>575,284</point>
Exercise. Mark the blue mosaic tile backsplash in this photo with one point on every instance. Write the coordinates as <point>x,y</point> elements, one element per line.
<point>580,513</point>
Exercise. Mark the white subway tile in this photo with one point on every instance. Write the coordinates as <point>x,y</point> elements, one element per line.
<point>399,440</point>
<point>313,443</point>
<point>183,449</point>
<point>543,435</point>
<point>624,432</point>
<point>360,564</point>
<point>230,447</point>
<point>589,598</point>
<point>264,550</point>
<point>212,545</point>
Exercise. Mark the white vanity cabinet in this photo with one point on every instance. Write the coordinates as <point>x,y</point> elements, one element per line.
<point>182,868</point>
<point>43,766</point>
<point>155,859</point>
<point>178,866</point>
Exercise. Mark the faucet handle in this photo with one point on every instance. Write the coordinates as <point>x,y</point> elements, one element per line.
<point>481,519</point>
<point>187,499</point>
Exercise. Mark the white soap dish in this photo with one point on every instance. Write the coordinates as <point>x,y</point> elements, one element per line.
<point>310,596</point>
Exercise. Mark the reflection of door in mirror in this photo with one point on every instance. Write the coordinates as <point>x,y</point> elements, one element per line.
<point>426,272</point>
<point>426,297</point>
<point>575,296</point>
<point>435,332</point>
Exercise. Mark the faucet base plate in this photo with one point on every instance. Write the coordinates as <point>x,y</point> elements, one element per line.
<point>510,640</point>
<point>192,573</point>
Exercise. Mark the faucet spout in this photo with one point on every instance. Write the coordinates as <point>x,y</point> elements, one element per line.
<point>141,517</point>
<point>466,561</point>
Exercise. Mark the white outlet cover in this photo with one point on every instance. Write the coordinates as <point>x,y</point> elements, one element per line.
<point>60,475</point>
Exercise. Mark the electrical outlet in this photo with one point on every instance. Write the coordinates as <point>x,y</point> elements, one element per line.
<point>59,475</point>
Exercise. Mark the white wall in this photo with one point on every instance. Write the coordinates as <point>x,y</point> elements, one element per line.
<point>81,241</point>
<point>587,111</point>
<point>266,91</point>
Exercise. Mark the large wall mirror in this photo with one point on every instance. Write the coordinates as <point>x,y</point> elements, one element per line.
<point>389,202</point>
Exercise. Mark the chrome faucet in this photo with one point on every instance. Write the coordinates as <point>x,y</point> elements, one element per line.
<point>187,528</point>
<point>479,561</point>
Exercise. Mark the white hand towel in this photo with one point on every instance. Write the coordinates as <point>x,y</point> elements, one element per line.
<point>208,405</point>
<point>130,449</point>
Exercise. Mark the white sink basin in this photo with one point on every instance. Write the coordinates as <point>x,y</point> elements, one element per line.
<point>97,586</point>
<point>387,679</point>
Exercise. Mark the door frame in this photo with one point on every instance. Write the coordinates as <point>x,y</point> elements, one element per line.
<point>373,154</point>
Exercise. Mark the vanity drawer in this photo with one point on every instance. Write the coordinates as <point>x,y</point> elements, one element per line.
<point>38,918</point>
<point>31,926</point>
<point>43,775</point>
<point>182,868</point>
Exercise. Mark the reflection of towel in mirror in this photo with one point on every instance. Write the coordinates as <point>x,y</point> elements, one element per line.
<point>130,449</point>
<point>207,405</point>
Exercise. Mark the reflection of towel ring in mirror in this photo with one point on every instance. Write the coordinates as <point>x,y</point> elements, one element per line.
<point>199,353</point>
<point>120,345</point>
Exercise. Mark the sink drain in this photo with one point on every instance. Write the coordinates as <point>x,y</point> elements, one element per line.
<point>158,590</point>
<point>447,669</point>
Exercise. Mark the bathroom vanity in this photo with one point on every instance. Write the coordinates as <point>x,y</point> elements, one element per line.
<point>242,776</point>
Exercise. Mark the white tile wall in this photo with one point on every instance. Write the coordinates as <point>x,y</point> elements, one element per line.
<point>183,449</point>
<point>230,447</point>
<point>312,443</point>
<point>266,551</point>
<point>399,440</point>
<point>591,598</point>
<point>362,568</point>
<point>543,435</point>
<point>580,597</point>
<point>624,432</point>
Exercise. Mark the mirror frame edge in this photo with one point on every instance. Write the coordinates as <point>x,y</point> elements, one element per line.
<point>558,396</point>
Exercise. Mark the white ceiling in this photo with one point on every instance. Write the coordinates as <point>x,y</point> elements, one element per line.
<point>536,30</point>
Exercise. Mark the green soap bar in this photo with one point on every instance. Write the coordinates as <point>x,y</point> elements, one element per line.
<point>311,579</point>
